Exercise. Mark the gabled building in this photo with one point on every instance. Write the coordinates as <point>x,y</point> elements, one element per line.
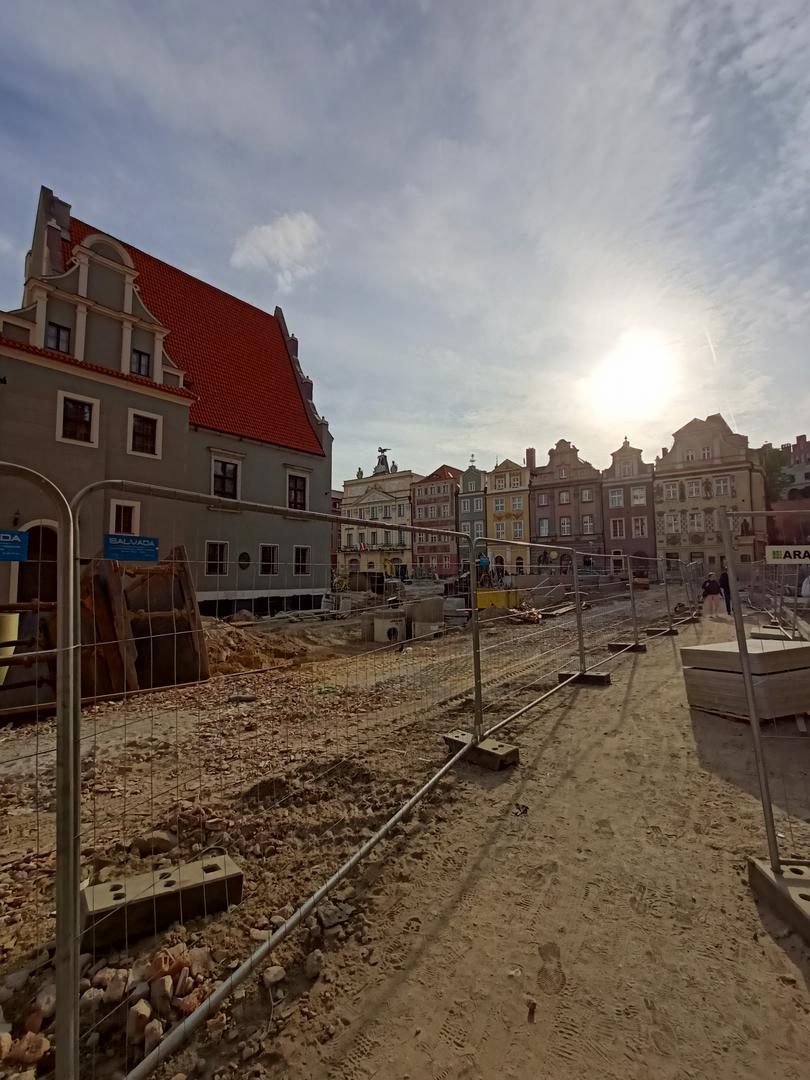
<point>472,511</point>
<point>507,502</point>
<point>627,507</point>
<point>566,503</point>
<point>117,365</point>
<point>434,503</point>
<point>383,500</point>
<point>708,467</point>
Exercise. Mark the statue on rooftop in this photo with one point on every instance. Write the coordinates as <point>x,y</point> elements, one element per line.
<point>382,461</point>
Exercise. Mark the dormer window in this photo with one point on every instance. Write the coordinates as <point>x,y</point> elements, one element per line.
<point>57,337</point>
<point>140,363</point>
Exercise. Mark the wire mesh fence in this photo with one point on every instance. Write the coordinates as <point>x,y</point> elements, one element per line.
<point>251,726</point>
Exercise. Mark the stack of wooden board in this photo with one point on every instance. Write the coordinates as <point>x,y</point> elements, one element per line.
<point>780,670</point>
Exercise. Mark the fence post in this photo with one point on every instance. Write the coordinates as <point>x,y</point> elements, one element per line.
<point>578,602</point>
<point>633,612</point>
<point>666,597</point>
<point>478,716</point>
<point>795,634</point>
<point>748,682</point>
<point>66,958</point>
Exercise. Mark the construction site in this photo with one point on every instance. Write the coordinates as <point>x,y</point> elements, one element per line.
<point>406,836</point>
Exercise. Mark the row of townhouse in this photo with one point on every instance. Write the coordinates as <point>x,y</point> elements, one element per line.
<point>117,365</point>
<point>667,508</point>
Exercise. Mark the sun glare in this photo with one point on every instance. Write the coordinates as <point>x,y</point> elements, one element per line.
<point>637,378</point>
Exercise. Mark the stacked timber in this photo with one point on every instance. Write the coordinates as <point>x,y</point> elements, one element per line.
<point>780,671</point>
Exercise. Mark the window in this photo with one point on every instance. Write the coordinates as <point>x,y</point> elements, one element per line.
<point>671,489</point>
<point>690,454</point>
<point>478,504</point>
<point>373,538</point>
<point>446,562</point>
<point>386,511</point>
<point>479,529</point>
<point>515,481</point>
<point>500,530</point>
<point>420,512</point>
<point>144,434</point>
<point>373,513</point>
<point>565,497</point>
<point>500,482</point>
<point>587,524</point>
<point>517,502</point>
<point>125,517</point>
<point>432,512</point>
<point>470,485</point>
<point>695,519</point>
<point>542,525</point>
<point>57,337</point>
<point>517,530</point>
<point>638,496</point>
<point>466,527</point>
<point>361,538</point>
<point>693,489</point>
<point>617,528</point>
<point>77,418</point>
<point>268,558</point>
<point>301,563</point>
<point>708,519</point>
<point>499,505</point>
<point>216,557</point>
<point>722,485</point>
<point>400,538</point>
<point>639,527</point>
<point>349,541</point>
<point>140,363</point>
<point>627,468</point>
<point>225,478</point>
<point>542,498</point>
<point>586,495</point>
<point>706,453</point>
<point>386,537</point>
<point>434,562</point>
<point>400,510</point>
<point>616,498</point>
<point>446,510</point>
<point>673,523</point>
<point>465,506</point>
<point>565,526</point>
<point>562,472</point>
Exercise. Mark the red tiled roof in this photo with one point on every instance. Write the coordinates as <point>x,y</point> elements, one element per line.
<point>233,355</point>
<point>444,472</point>
<point>71,361</point>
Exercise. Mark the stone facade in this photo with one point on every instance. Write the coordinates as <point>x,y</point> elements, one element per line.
<point>507,503</point>
<point>708,467</point>
<point>434,503</point>
<point>383,500</point>
<point>627,508</point>
<point>472,508</point>
<point>566,504</point>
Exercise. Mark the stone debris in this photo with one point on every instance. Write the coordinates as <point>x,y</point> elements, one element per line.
<point>152,1034</point>
<point>138,1017</point>
<point>29,1049</point>
<point>313,964</point>
<point>157,842</point>
<point>116,987</point>
<point>273,975</point>
<point>5,1044</point>
<point>160,994</point>
<point>333,914</point>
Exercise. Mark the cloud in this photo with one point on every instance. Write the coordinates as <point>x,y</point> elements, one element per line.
<point>292,245</point>
<point>6,246</point>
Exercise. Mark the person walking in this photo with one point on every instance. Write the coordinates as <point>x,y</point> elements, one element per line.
<point>726,589</point>
<point>711,596</point>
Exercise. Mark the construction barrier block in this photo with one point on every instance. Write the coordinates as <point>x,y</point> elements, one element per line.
<point>786,894</point>
<point>627,646</point>
<point>138,906</point>
<point>489,753</point>
<point>586,678</point>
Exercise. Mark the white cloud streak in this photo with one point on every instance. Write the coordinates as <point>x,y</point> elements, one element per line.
<point>292,245</point>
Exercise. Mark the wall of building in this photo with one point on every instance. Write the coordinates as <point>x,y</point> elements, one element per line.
<point>629,528</point>
<point>507,502</point>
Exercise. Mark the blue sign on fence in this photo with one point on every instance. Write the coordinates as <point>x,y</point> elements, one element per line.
<point>128,548</point>
<point>13,545</point>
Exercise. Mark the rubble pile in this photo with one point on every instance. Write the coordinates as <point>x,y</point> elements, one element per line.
<point>525,615</point>
<point>233,648</point>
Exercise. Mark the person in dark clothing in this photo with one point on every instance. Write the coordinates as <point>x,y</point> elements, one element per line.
<point>726,589</point>
<point>711,596</point>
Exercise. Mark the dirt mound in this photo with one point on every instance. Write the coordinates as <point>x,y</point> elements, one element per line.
<point>238,648</point>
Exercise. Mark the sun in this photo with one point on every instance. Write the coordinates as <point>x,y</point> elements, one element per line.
<point>637,378</point>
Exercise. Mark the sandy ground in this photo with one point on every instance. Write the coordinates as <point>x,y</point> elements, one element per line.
<point>603,880</point>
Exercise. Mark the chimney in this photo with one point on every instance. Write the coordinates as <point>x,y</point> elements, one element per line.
<point>663,451</point>
<point>531,458</point>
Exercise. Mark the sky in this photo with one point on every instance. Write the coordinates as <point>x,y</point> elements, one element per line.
<point>490,226</point>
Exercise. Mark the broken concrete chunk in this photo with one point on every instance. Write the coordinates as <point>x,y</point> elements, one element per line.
<point>152,1034</point>
<point>116,987</point>
<point>137,1019</point>
<point>157,842</point>
<point>46,1000</point>
<point>184,984</point>
<point>29,1049</point>
<point>5,1044</point>
<point>201,961</point>
<point>191,1001</point>
<point>313,964</point>
<point>161,995</point>
<point>91,999</point>
<point>273,975</point>
<point>17,980</point>
<point>330,914</point>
